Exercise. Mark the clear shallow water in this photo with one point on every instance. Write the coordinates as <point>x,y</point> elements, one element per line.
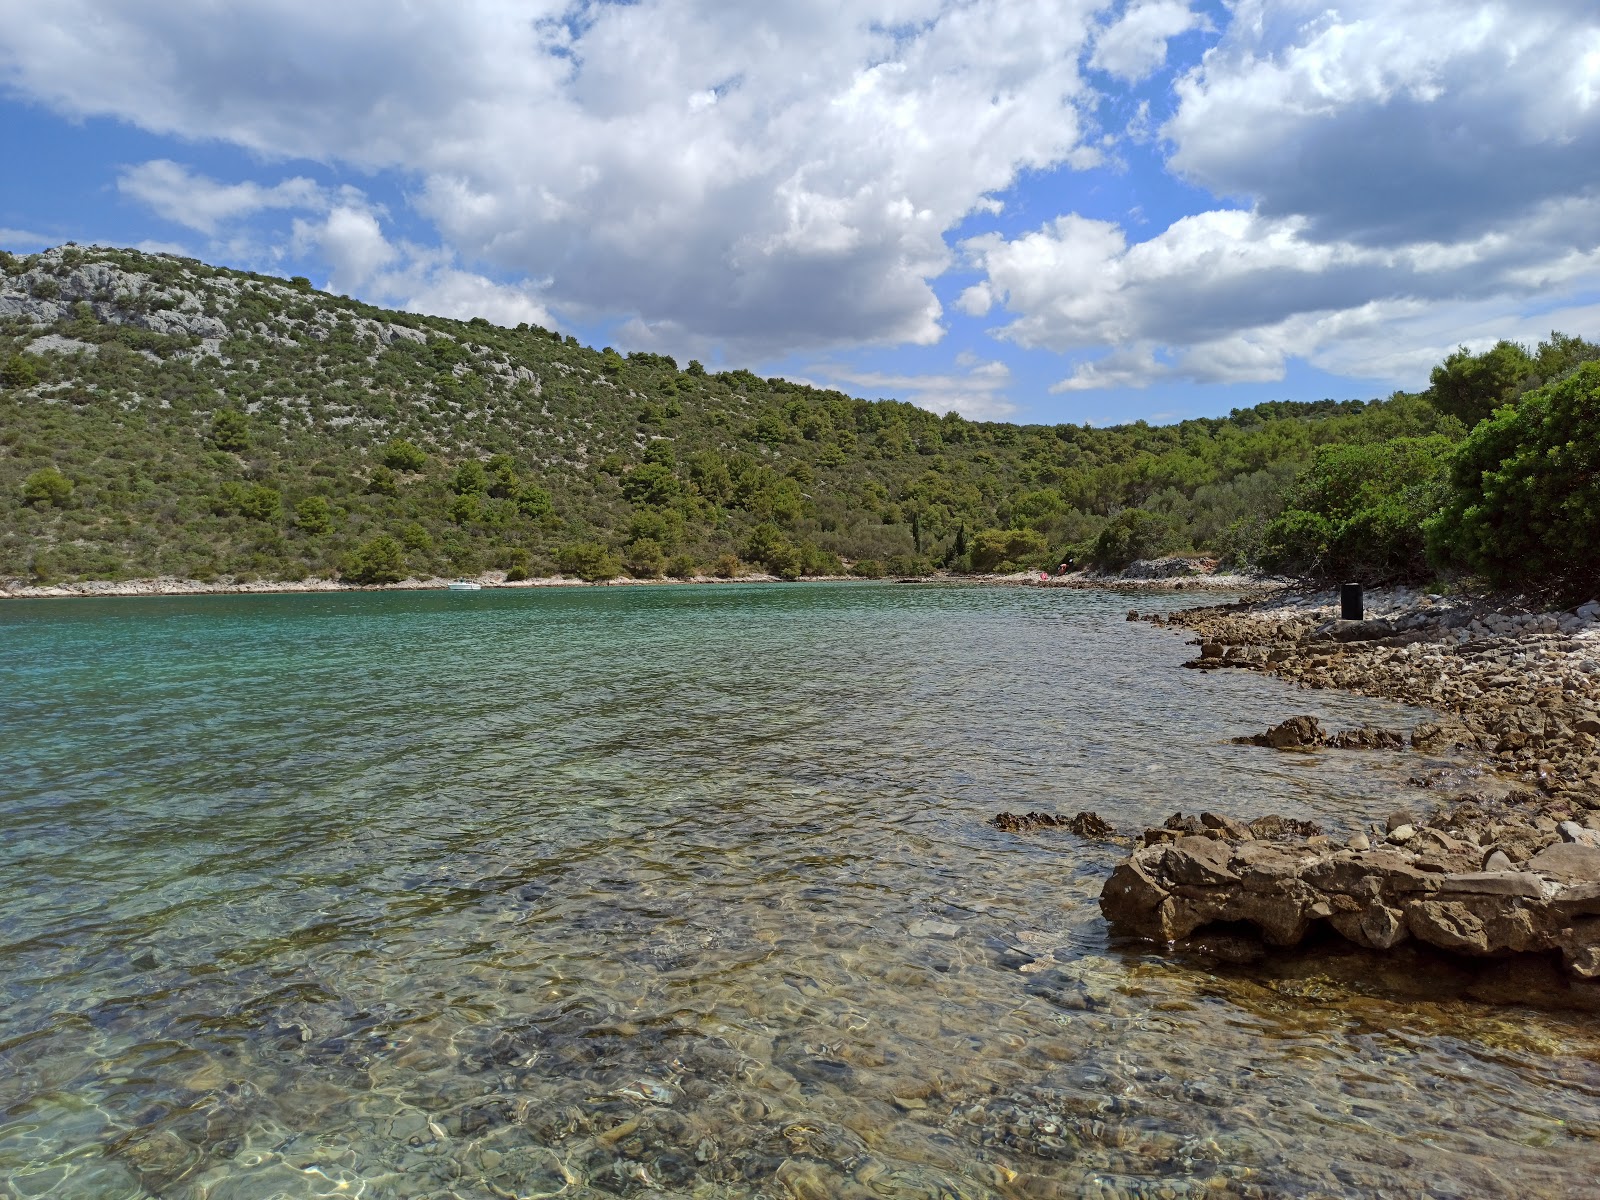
<point>686,892</point>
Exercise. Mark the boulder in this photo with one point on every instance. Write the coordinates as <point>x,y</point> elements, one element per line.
<point>1297,733</point>
<point>1185,881</point>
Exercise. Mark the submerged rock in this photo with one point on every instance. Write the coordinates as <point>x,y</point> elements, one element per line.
<point>1085,824</point>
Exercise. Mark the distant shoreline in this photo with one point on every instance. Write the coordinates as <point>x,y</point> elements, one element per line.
<point>171,586</point>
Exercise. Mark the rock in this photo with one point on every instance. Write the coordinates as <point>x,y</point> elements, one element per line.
<point>1497,861</point>
<point>1297,733</point>
<point>1133,614</point>
<point>1358,841</point>
<point>1210,650</point>
<point>933,929</point>
<point>1495,883</point>
<point>1227,827</point>
<point>1571,831</point>
<point>1376,898</point>
<point>1368,738</point>
<point>1402,834</point>
<point>1009,822</point>
<point>1567,860</point>
<point>1396,819</point>
<point>1199,861</point>
<point>1276,828</point>
<point>1090,825</point>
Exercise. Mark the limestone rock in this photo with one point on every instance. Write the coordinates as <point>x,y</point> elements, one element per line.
<point>1185,882</point>
<point>1297,733</point>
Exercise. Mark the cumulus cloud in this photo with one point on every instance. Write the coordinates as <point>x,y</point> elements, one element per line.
<point>1391,123</point>
<point>175,192</point>
<point>1405,169</point>
<point>977,392</point>
<point>1230,296</point>
<point>1135,45</point>
<point>407,276</point>
<point>771,177</point>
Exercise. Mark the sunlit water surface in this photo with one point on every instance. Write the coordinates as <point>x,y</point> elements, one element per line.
<point>686,892</point>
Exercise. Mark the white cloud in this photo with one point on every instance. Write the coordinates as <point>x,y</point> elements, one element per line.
<point>352,241</point>
<point>1135,45</point>
<point>1389,123</point>
<point>977,392</point>
<point>407,276</point>
<point>1230,296</point>
<point>769,177</point>
<point>24,241</point>
<point>175,192</point>
<point>1403,169</point>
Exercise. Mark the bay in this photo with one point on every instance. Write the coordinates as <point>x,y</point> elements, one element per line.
<point>690,891</point>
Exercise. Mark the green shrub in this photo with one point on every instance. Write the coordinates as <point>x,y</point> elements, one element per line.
<point>1359,511</point>
<point>18,372</point>
<point>515,561</point>
<point>993,547</point>
<point>401,455</point>
<point>1524,498</point>
<point>47,488</point>
<point>909,565</point>
<point>588,561</point>
<point>652,483</point>
<point>416,537</point>
<point>1471,386</point>
<point>261,503</point>
<point>380,560</point>
<point>470,479</point>
<point>727,566</point>
<point>645,559</point>
<point>868,568</point>
<point>771,548</point>
<point>230,430</point>
<point>382,482</point>
<point>1132,534</point>
<point>683,566</point>
<point>533,501</point>
<point>313,515</point>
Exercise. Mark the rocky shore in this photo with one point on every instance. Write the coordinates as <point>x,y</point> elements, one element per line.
<point>16,589</point>
<point>1504,870</point>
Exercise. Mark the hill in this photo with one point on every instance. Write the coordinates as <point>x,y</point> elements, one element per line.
<point>162,416</point>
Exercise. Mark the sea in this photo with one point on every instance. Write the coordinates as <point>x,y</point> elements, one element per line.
<point>693,891</point>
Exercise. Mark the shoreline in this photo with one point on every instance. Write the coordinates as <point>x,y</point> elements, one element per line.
<point>16,589</point>
<point>1503,876</point>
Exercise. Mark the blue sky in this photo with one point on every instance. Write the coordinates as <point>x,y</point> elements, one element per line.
<point>1085,210</point>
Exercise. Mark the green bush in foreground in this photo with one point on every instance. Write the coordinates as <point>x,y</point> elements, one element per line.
<point>1524,501</point>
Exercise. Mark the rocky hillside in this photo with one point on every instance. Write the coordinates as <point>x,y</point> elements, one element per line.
<point>159,416</point>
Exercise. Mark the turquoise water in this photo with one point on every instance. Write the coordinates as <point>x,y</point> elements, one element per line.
<point>679,891</point>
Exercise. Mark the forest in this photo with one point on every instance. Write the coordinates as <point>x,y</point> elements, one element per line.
<point>159,416</point>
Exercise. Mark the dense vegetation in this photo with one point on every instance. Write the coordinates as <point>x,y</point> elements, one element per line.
<point>1515,502</point>
<point>159,416</point>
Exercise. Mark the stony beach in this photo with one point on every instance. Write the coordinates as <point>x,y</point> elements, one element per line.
<point>1507,865</point>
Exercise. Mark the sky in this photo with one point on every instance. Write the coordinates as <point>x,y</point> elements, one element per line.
<point>1037,210</point>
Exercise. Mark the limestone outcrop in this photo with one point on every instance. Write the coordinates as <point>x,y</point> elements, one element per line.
<point>1442,884</point>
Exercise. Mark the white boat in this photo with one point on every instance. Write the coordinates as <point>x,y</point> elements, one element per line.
<point>465,585</point>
